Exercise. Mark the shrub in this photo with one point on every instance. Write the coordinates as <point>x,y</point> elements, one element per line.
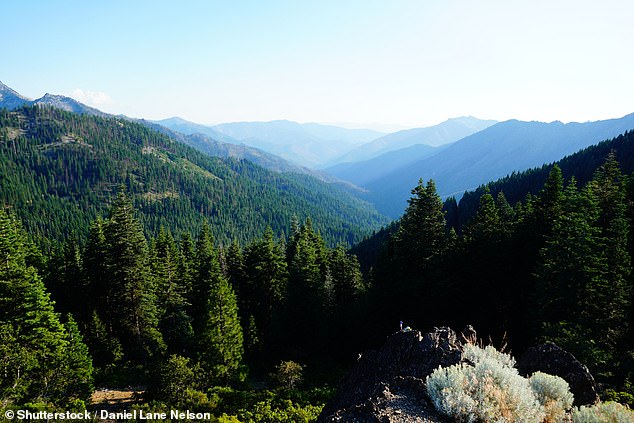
<point>553,393</point>
<point>288,374</point>
<point>488,388</point>
<point>612,412</point>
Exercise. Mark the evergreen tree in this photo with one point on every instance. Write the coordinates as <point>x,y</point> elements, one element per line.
<point>105,349</point>
<point>422,235</point>
<point>571,267</point>
<point>347,281</point>
<point>79,363</point>
<point>96,274</point>
<point>65,279</point>
<point>130,290</point>
<point>486,225</point>
<point>34,343</point>
<point>207,273</point>
<point>174,322</point>
<point>265,287</point>
<point>610,302</point>
<point>221,340</point>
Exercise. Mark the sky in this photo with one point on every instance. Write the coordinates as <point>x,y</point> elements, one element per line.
<point>381,64</point>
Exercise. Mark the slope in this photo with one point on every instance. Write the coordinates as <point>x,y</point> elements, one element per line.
<point>308,144</point>
<point>444,133</point>
<point>202,138</point>
<point>580,165</point>
<point>490,154</point>
<point>363,172</point>
<point>11,99</point>
<point>60,171</point>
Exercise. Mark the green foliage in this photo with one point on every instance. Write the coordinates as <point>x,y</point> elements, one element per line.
<point>175,384</point>
<point>289,374</point>
<point>42,360</point>
<point>62,169</point>
<point>284,411</point>
<point>221,339</point>
<point>131,294</point>
<point>79,363</point>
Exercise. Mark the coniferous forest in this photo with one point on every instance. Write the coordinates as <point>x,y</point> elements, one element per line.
<point>111,278</point>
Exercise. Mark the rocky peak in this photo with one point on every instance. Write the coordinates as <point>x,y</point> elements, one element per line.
<point>388,384</point>
<point>10,99</point>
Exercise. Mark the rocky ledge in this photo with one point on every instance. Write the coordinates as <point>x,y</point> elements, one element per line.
<point>388,384</point>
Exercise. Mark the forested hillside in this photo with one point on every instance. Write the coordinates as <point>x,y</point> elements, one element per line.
<point>186,319</point>
<point>211,284</point>
<point>580,165</point>
<point>555,266</point>
<point>61,170</point>
<point>489,155</point>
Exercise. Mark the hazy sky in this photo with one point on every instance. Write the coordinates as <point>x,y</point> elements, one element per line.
<point>402,62</point>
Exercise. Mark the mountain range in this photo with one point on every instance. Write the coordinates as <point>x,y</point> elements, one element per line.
<point>200,137</point>
<point>444,133</point>
<point>459,154</point>
<point>308,144</point>
<point>12,100</point>
<point>60,171</point>
<point>488,155</point>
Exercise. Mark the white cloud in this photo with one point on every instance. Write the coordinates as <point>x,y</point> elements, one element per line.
<point>92,98</point>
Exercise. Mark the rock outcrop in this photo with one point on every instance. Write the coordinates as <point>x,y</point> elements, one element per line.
<point>388,385</point>
<point>549,358</point>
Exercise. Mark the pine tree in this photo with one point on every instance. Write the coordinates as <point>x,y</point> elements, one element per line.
<point>611,299</point>
<point>174,322</point>
<point>105,349</point>
<point>65,279</point>
<point>346,278</point>
<point>96,274</point>
<point>221,340</point>
<point>571,268</point>
<point>486,225</point>
<point>265,287</point>
<point>32,335</point>
<point>207,273</point>
<point>130,289</point>
<point>309,288</point>
<point>78,363</point>
<point>422,235</point>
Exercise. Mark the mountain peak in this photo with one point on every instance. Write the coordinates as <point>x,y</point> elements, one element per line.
<point>10,98</point>
<point>68,104</point>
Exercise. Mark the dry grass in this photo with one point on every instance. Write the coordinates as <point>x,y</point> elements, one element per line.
<point>114,398</point>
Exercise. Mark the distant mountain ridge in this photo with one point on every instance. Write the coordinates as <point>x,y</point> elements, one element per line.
<point>12,100</point>
<point>446,132</point>
<point>307,144</point>
<point>581,165</point>
<point>60,170</point>
<point>364,172</point>
<point>220,147</point>
<point>491,154</point>
<point>200,137</point>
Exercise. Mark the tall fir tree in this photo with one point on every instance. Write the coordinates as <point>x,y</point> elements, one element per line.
<point>174,322</point>
<point>130,289</point>
<point>221,340</point>
<point>36,350</point>
<point>610,305</point>
<point>265,288</point>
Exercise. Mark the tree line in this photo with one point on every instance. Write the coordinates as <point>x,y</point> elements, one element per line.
<point>139,309</point>
<point>555,266</point>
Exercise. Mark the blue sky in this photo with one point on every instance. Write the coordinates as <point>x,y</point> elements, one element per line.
<point>371,63</point>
